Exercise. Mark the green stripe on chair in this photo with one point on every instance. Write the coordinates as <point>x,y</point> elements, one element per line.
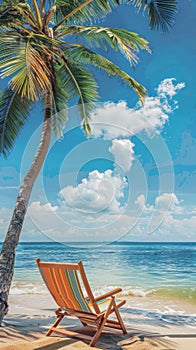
<point>76,291</point>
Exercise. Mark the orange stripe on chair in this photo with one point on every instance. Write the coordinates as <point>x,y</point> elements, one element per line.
<point>63,289</point>
<point>46,274</point>
<point>57,286</point>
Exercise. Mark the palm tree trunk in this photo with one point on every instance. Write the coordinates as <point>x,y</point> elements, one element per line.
<point>7,256</point>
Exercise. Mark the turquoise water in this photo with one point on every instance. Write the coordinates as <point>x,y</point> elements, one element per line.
<point>158,279</point>
<point>165,269</point>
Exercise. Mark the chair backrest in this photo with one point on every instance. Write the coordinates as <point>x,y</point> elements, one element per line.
<point>63,282</point>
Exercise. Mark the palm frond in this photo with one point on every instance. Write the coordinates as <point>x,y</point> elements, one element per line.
<point>161,13</point>
<point>6,23</point>
<point>93,11</point>
<point>18,10</point>
<point>26,12</point>
<point>49,15</point>
<point>59,103</point>
<point>37,13</point>
<point>7,3</point>
<point>128,42</point>
<point>14,112</point>
<point>8,14</point>
<point>19,57</point>
<point>86,56</point>
<point>79,82</point>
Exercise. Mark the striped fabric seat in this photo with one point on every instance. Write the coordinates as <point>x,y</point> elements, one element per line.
<point>65,288</point>
<point>66,283</point>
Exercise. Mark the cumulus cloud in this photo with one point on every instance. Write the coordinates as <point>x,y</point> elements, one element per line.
<point>122,151</point>
<point>167,201</point>
<point>169,217</point>
<point>141,202</point>
<point>167,88</point>
<point>164,202</point>
<point>166,215</point>
<point>98,192</point>
<point>115,120</point>
<point>37,206</point>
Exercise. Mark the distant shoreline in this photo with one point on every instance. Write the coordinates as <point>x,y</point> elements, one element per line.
<point>105,242</point>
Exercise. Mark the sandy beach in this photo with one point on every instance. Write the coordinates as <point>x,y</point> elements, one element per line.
<point>31,315</point>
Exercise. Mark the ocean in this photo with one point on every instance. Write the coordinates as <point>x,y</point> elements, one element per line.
<point>156,278</point>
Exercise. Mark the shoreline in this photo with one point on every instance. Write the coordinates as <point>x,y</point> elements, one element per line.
<point>31,315</point>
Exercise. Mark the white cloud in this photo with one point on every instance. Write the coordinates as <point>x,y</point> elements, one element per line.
<point>167,201</point>
<point>175,222</point>
<point>167,88</point>
<point>141,202</point>
<point>37,206</point>
<point>98,192</point>
<point>167,216</point>
<point>115,120</point>
<point>122,151</point>
<point>63,223</point>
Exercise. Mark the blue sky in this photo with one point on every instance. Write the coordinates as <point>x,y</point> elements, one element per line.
<point>134,179</point>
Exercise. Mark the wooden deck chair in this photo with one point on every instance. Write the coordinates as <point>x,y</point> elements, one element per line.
<point>64,282</point>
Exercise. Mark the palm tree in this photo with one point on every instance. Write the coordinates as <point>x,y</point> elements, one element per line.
<point>45,48</point>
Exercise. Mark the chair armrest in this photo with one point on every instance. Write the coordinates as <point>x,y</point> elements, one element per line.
<point>109,294</point>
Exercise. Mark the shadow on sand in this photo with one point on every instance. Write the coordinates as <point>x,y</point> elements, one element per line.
<point>31,330</point>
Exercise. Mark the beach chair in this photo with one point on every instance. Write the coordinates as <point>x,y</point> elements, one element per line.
<point>68,284</point>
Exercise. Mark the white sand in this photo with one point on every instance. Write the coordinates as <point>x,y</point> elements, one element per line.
<point>30,316</point>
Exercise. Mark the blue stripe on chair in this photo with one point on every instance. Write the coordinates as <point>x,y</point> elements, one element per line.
<point>76,291</point>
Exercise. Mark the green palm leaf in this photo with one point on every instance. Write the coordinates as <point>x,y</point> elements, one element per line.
<point>128,42</point>
<point>8,15</point>
<point>82,54</point>
<point>161,13</point>
<point>80,83</point>
<point>7,7</point>
<point>14,112</point>
<point>59,103</point>
<point>91,12</point>
<point>18,56</point>
<point>7,3</point>
<point>18,10</point>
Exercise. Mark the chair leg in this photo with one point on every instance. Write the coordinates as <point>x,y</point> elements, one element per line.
<point>100,328</point>
<point>97,334</point>
<point>58,320</point>
<point>119,318</point>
